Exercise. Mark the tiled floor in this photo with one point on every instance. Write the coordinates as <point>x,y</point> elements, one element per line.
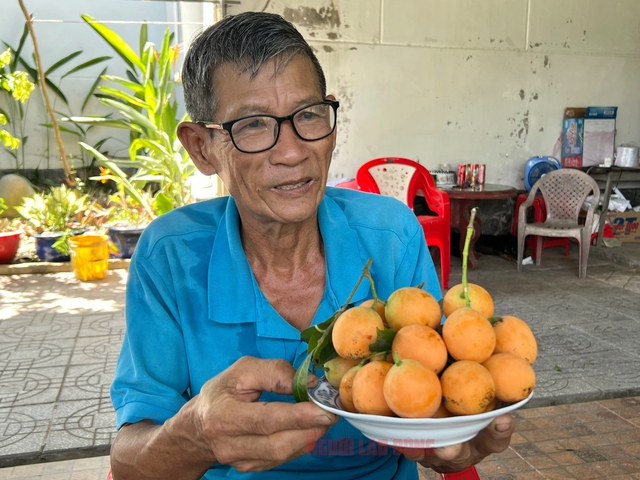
<point>84,469</point>
<point>579,441</point>
<point>583,441</point>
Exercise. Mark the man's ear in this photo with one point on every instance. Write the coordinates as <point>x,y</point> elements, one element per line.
<point>194,137</point>
<point>334,135</point>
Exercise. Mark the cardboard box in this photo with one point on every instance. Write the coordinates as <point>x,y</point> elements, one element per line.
<point>599,135</point>
<point>572,137</point>
<point>625,225</point>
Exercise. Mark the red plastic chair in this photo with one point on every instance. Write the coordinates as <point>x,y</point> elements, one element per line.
<point>403,179</point>
<point>468,474</point>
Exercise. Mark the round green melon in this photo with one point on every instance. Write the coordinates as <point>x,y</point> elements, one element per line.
<point>13,188</point>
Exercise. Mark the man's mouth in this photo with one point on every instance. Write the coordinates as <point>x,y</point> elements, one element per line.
<point>292,186</point>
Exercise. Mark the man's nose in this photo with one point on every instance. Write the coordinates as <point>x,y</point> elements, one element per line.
<point>290,147</point>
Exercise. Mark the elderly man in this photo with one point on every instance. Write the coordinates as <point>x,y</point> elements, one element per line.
<point>219,291</point>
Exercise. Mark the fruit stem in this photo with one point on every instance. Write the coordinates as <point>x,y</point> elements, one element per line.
<point>465,256</point>
<point>373,355</point>
<point>396,359</point>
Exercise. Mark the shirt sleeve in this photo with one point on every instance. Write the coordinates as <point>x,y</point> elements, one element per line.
<point>151,379</point>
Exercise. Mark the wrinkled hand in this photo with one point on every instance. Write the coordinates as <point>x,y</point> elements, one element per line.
<point>455,458</point>
<point>250,435</point>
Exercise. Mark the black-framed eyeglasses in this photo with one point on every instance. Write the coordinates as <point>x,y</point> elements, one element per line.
<point>257,133</point>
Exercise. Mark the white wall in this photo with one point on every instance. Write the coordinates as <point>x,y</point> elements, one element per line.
<point>452,81</point>
<point>460,81</point>
<point>60,31</point>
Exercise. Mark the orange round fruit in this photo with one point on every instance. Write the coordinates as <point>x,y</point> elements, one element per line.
<point>513,376</point>
<point>468,335</point>
<point>421,343</point>
<point>346,389</point>
<point>411,390</point>
<point>380,305</point>
<point>480,300</point>
<point>336,368</point>
<point>409,305</point>
<point>354,330</point>
<point>368,395</point>
<point>513,335</point>
<point>467,388</point>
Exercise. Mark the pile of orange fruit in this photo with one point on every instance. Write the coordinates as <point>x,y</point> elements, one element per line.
<point>472,363</point>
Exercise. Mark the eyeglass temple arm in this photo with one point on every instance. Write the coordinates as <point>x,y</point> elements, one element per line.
<point>214,126</point>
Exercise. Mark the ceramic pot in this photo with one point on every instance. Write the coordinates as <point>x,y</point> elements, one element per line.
<point>9,243</point>
<point>45,250</point>
<point>125,240</point>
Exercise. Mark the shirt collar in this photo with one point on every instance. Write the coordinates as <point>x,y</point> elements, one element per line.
<point>229,273</point>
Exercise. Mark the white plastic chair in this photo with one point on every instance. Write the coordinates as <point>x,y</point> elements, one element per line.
<point>564,192</point>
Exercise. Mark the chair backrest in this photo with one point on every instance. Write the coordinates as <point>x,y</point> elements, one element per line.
<point>564,192</point>
<point>401,178</point>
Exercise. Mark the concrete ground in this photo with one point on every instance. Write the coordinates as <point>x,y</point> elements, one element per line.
<point>59,339</point>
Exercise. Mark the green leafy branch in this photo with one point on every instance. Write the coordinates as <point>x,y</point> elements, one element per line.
<point>320,345</point>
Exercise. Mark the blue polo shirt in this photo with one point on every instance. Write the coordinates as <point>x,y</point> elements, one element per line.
<point>193,307</point>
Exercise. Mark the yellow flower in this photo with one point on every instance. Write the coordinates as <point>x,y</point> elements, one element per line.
<point>5,58</point>
<point>104,172</point>
<point>22,86</point>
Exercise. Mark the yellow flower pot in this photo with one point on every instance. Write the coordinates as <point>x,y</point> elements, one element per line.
<point>89,256</point>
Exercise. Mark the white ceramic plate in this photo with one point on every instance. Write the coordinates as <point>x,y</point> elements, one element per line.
<point>409,432</point>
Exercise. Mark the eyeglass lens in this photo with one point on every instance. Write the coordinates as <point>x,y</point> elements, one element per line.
<point>256,133</point>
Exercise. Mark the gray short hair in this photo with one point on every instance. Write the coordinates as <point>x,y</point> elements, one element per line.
<point>246,40</point>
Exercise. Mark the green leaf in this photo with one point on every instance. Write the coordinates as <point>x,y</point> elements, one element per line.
<point>56,90</point>
<point>383,340</point>
<point>326,354</point>
<point>163,204</point>
<point>135,86</point>
<point>299,383</point>
<point>557,368</point>
<point>62,62</point>
<point>306,334</point>
<point>92,89</point>
<point>23,38</point>
<point>87,64</point>
<point>117,43</point>
<point>126,97</point>
<point>144,36</point>
<point>130,112</point>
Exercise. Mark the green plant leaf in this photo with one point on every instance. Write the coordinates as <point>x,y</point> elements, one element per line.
<point>92,90</point>
<point>117,43</point>
<point>23,38</point>
<point>163,204</point>
<point>307,333</point>
<point>383,340</point>
<point>54,88</point>
<point>134,86</point>
<point>299,383</point>
<point>129,112</point>
<point>126,97</point>
<point>144,36</point>
<point>87,64</point>
<point>61,62</point>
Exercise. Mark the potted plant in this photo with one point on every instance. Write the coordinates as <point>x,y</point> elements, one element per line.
<point>10,233</point>
<point>54,217</point>
<point>127,221</point>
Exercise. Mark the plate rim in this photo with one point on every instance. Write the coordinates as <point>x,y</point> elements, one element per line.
<point>415,421</point>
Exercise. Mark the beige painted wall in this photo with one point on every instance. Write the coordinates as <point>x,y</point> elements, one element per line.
<point>460,81</point>
<point>440,81</point>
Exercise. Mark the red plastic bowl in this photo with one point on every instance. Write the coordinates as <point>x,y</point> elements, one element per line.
<point>9,243</point>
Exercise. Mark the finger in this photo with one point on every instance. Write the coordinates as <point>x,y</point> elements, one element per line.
<point>257,452</point>
<point>496,437</point>
<point>457,454</point>
<point>267,418</point>
<point>249,375</point>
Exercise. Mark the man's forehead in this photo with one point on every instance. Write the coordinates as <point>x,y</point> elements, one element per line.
<point>241,86</point>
